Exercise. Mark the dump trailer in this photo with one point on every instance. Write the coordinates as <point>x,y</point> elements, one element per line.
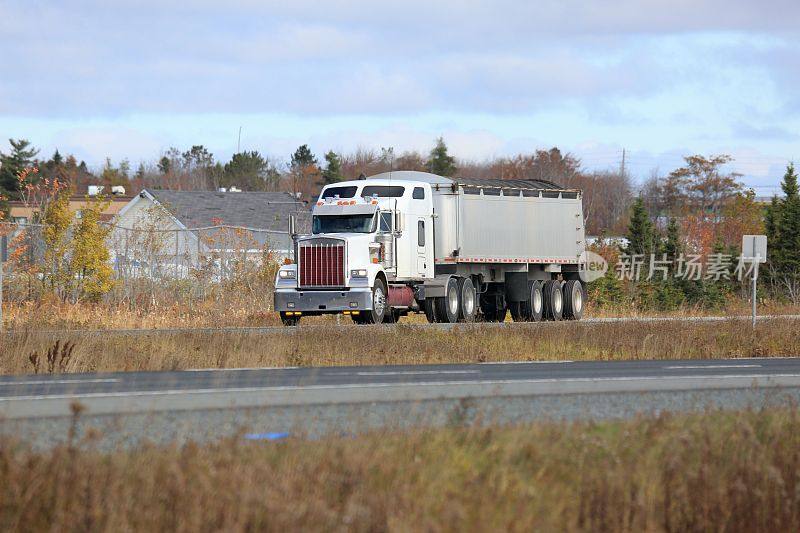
<point>456,249</point>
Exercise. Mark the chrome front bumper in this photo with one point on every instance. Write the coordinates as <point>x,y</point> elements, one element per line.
<point>323,301</point>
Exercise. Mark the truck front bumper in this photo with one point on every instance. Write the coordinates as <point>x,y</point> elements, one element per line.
<point>320,302</point>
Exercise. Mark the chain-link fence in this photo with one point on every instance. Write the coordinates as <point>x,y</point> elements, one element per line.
<point>153,260</point>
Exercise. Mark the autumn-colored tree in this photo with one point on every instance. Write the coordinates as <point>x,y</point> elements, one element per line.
<point>304,174</point>
<point>700,187</point>
<point>56,221</point>
<point>89,264</point>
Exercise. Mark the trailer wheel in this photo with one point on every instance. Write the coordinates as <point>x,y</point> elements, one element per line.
<point>289,320</point>
<point>449,307</point>
<point>493,308</point>
<point>573,300</point>
<point>534,306</point>
<point>553,300</point>
<point>468,300</point>
<point>517,311</point>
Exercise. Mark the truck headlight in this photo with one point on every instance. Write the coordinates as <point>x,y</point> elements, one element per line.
<point>358,273</point>
<point>287,274</point>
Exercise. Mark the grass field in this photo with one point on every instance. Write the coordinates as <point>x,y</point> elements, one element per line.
<point>327,346</point>
<point>51,313</point>
<point>716,471</point>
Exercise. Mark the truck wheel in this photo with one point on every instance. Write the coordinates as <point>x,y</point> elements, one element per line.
<point>430,310</point>
<point>534,306</point>
<point>553,300</point>
<point>289,320</point>
<point>468,300</point>
<point>573,300</point>
<point>379,306</point>
<point>448,308</point>
<point>493,308</point>
<point>517,311</point>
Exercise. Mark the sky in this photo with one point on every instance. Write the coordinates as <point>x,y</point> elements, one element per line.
<point>660,79</point>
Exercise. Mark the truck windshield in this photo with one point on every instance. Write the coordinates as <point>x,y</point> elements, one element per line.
<point>343,224</point>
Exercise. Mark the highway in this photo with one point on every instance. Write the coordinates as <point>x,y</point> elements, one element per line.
<point>205,404</point>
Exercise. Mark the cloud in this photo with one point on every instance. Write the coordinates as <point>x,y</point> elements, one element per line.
<point>91,58</point>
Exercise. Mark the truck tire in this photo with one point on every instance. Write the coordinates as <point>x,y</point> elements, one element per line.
<point>468,300</point>
<point>430,310</point>
<point>379,306</point>
<point>289,320</point>
<point>533,307</point>
<point>573,300</point>
<point>493,308</point>
<point>449,307</point>
<point>517,310</point>
<point>553,300</point>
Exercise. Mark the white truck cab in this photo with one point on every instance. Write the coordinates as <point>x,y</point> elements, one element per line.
<point>407,241</point>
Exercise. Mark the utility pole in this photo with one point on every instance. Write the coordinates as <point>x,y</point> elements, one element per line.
<point>622,165</point>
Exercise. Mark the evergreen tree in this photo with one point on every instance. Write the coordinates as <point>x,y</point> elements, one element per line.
<point>164,165</point>
<point>249,171</point>
<point>640,230</point>
<point>333,168</point>
<point>302,157</point>
<point>440,162</point>
<point>783,235</point>
<point>673,246</point>
<point>21,157</point>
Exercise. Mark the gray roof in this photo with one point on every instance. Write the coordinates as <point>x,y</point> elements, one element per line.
<point>262,210</point>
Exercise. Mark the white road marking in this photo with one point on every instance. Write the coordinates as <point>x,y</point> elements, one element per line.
<point>693,367</point>
<point>524,362</point>
<point>174,392</point>
<point>58,381</point>
<point>410,372</point>
<point>238,369</point>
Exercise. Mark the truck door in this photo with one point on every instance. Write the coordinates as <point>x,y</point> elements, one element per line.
<point>422,246</point>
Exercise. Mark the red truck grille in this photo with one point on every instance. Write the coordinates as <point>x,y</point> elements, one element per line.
<point>322,264</point>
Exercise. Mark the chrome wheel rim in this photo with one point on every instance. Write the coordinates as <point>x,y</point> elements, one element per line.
<point>558,301</point>
<point>577,300</point>
<point>452,300</point>
<point>469,302</point>
<point>379,300</point>
<point>537,302</point>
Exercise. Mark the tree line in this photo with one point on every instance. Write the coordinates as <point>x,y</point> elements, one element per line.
<point>607,195</point>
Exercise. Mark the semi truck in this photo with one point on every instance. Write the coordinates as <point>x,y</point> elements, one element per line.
<point>455,249</point>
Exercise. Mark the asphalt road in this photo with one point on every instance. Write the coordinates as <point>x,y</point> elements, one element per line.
<point>23,397</point>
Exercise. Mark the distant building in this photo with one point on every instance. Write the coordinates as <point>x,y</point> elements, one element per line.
<point>22,214</point>
<point>179,230</point>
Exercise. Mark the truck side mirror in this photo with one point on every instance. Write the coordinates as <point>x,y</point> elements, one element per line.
<point>292,226</point>
<point>398,222</point>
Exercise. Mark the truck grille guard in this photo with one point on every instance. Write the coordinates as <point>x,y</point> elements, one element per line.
<point>321,263</point>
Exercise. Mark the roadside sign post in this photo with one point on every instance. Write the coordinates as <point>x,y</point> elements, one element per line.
<point>754,250</point>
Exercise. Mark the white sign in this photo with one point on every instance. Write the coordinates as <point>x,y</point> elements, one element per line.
<point>754,248</point>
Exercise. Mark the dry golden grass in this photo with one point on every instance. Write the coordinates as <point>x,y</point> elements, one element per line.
<point>709,472</point>
<point>352,345</point>
<point>231,312</point>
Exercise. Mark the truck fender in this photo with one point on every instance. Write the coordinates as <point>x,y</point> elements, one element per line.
<point>434,288</point>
